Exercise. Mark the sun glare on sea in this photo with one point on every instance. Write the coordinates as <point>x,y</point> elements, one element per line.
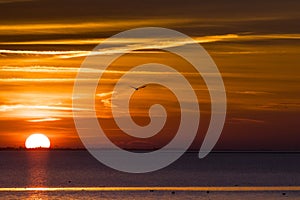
<point>37,140</point>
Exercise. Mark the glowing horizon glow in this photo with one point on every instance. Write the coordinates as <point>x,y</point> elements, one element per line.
<point>37,140</point>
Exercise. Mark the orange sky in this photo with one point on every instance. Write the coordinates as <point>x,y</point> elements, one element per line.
<point>255,46</point>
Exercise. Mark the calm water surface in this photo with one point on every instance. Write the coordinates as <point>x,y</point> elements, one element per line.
<point>23,169</point>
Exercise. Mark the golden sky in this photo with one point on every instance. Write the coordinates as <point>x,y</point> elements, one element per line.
<point>255,45</point>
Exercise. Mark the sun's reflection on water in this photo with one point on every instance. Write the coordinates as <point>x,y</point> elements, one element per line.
<point>37,172</point>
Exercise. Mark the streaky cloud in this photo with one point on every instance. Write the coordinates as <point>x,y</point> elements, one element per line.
<point>49,119</point>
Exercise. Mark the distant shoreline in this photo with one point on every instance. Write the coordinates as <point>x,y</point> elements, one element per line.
<point>146,150</point>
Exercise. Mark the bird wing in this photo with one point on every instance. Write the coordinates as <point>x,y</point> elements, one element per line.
<point>133,87</point>
<point>143,86</point>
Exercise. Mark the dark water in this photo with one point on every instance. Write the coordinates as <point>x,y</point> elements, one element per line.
<point>48,169</point>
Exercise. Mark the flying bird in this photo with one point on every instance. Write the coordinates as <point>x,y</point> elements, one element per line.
<point>137,88</point>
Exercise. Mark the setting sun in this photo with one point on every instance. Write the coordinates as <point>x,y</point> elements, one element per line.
<point>37,141</point>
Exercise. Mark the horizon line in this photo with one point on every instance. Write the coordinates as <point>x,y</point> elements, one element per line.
<point>134,149</point>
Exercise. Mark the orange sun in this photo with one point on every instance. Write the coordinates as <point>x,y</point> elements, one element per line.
<point>37,141</point>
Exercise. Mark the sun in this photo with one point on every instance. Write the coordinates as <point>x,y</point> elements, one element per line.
<point>37,140</point>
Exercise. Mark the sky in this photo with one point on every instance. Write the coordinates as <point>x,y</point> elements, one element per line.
<point>254,44</point>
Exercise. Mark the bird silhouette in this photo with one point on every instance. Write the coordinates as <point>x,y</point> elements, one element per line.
<point>137,88</point>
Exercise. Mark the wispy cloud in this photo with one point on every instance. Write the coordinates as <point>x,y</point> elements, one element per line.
<point>79,27</point>
<point>37,113</point>
<point>104,94</point>
<point>38,69</point>
<point>58,69</point>
<point>31,112</point>
<point>245,120</point>
<point>202,39</point>
<point>147,43</point>
<point>5,108</point>
<point>251,92</point>
<point>70,54</point>
<point>107,103</point>
<point>49,119</point>
<point>38,79</point>
<point>105,99</point>
<point>280,106</point>
<point>61,53</point>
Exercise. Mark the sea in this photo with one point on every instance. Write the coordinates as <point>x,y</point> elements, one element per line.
<point>75,174</point>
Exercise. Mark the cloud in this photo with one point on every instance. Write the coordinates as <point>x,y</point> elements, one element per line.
<point>38,69</point>
<point>84,27</point>
<point>49,119</point>
<point>104,94</point>
<point>38,79</point>
<point>280,106</point>
<point>5,108</point>
<point>107,103</point>
<point>245,120</point>
<point>251,92</point>
<point>147,43</point>
<point>105,99</point>
<point>60,53</point>
<point>70,54</point>
<point>37,113</point>
<point>67,74</point>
